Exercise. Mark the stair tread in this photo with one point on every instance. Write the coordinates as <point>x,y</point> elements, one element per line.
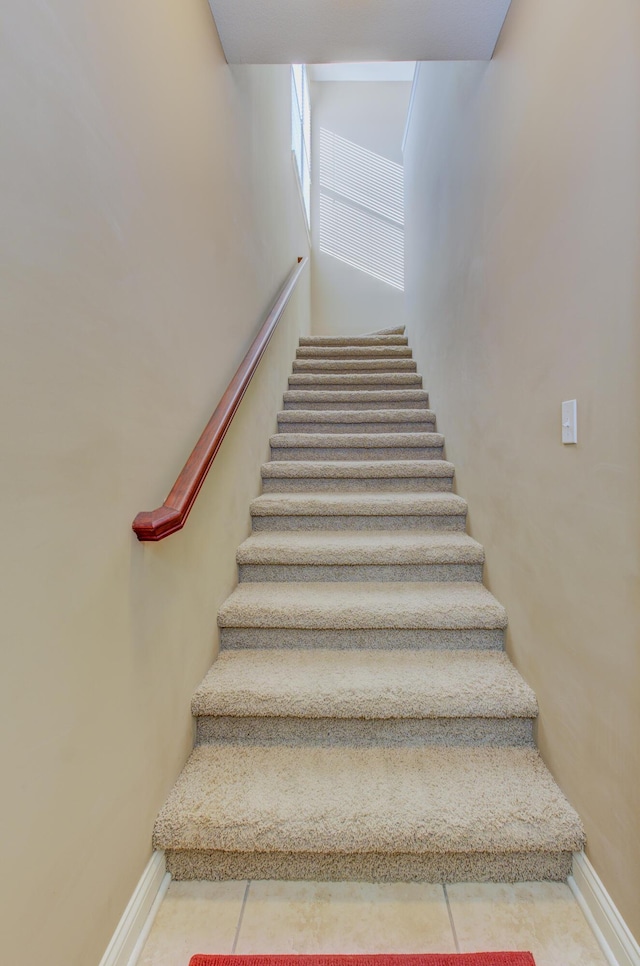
<point>356,379</point>
<point>359,440</point>
<point>364,395</point>
<point>353,800</point>
<point>374,604</point>
<point>359,547</point>
<point>354,352</point>
<point>365,684</point>
<point>386,364</point>
<point>365,469</point>
<point>356,416</point>
<point>358,504</point>
<point>363,340</point>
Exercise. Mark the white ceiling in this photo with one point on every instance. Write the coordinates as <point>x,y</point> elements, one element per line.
<point>335,31</point>
<point>378,71</point>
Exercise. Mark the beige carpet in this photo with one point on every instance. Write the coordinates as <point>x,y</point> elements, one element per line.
<point>362,720</point>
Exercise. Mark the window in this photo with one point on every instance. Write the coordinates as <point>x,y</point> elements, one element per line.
<point>361,211</point>
<point>301,131</point>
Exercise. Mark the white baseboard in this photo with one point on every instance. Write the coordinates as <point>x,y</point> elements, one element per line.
<point>609,928</point>
<point>132,930</point>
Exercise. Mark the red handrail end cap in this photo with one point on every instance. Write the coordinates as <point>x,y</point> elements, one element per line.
<point>156,524</point>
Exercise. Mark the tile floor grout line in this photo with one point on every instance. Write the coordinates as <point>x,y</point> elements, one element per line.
<point>240,918</point>
<point>451,922</point>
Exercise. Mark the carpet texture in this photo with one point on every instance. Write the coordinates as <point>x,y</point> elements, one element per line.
<point>339,476</point>
<point>356,380</point>
<point>355,399</point>
<point>427,959</point>
<point>380,684</point>
<point>347,416</point>
<point>361,469</point>
<point>362,720</point>
<point>400,605</point>
<point>354,365</point>
<point>390,351</point>
<point>359,440</point>
<point>365,340</point>
<point>360,547</point>
<point>420,800</point>
<point>368,423</point>
<point>359,504</point>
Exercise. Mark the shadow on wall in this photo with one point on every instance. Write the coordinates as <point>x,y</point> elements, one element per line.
<point>361,208</point>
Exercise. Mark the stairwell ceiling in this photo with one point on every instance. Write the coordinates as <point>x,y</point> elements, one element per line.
<point>333,31</point>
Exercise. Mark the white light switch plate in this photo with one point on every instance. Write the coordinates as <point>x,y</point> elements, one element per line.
<point>570,421</point>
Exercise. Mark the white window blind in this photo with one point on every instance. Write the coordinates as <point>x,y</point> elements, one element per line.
<point>361,208</point>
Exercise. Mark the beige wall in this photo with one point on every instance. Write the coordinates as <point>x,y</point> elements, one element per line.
<point>523,245</point>
<point>372,116</point>
<point>149,215</point>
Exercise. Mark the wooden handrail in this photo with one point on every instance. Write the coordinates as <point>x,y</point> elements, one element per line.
<point>172,515</point>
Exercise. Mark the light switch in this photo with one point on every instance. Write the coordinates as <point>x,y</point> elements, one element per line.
<point>570,421</point>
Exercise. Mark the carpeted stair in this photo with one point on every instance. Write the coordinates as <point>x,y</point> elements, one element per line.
<point>362,720</point>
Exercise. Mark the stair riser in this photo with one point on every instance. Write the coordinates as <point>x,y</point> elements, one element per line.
<point>371,867</point>
<point>354,352</point>
<point>353,572</point>
<point>364,382</point>
<point>357,453</point>
<point>407,398</point>
<point>354,638</point>
<point>394,732</point>
<point>415,484</point>
<point>309,405</point>
<point>404,426</point>
<point>354,365</point>
<point>355,522</point>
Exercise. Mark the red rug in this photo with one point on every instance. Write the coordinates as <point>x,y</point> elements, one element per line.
<point>428,959</point>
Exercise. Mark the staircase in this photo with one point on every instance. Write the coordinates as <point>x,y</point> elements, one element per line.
<point>362,720</point>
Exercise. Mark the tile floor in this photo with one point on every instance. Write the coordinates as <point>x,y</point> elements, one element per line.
<point>358,917</point>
